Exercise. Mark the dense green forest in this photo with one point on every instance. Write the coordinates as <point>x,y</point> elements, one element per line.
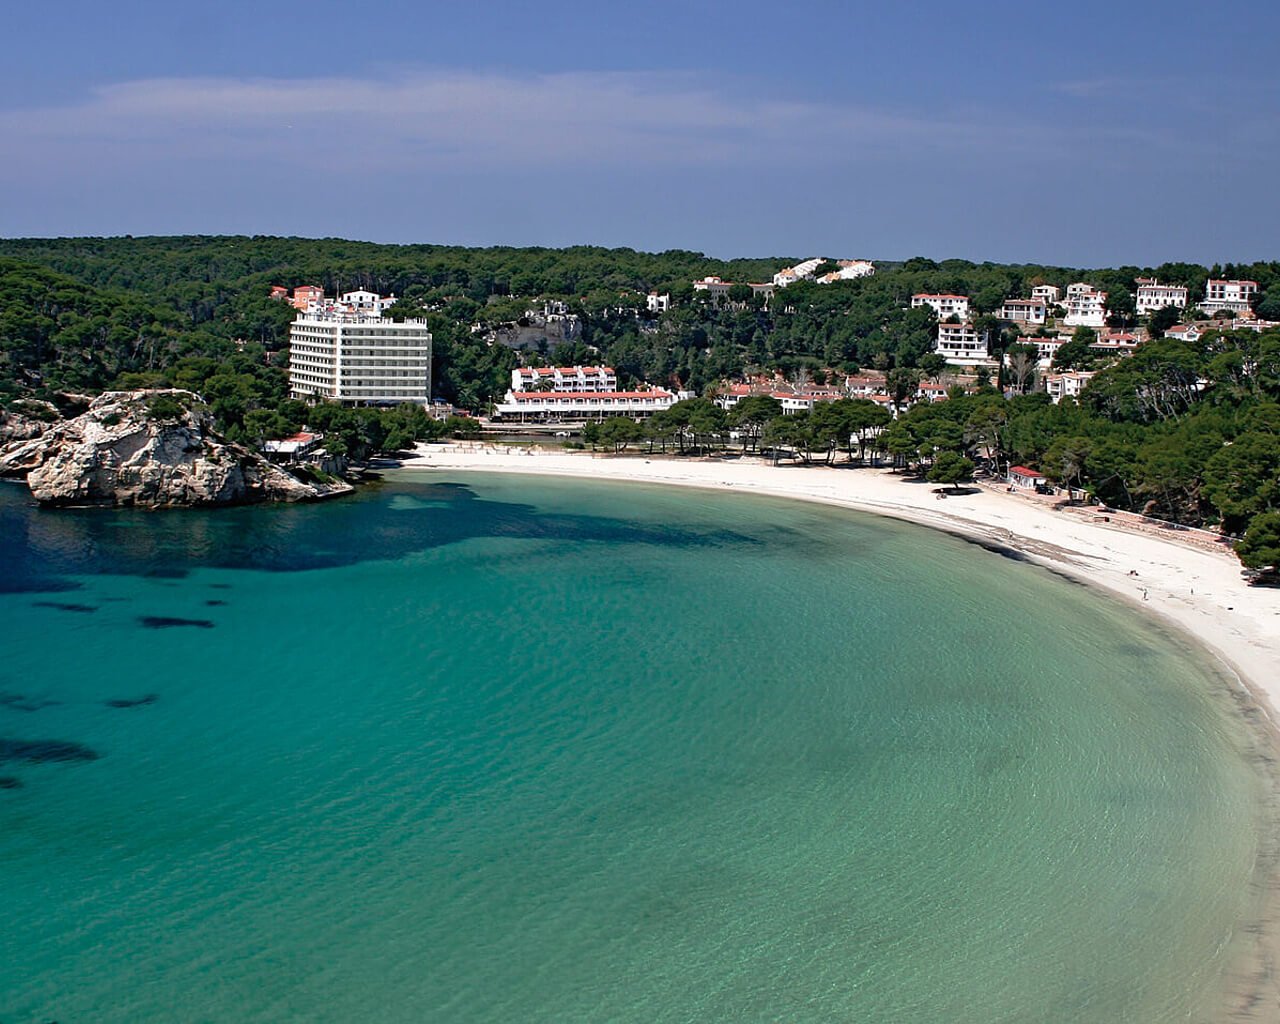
<point>1188,432</point>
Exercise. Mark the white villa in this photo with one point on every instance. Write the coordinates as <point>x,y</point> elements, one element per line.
<point>1234,296</point>
<point>1049,294</point>
<point>1065,385</point>
<point>656,303</point>
<point>1024,311</point>
<point>1153,295</point>
<point>943,305</point>
<point>1086,306</point>
<point>344,349</point>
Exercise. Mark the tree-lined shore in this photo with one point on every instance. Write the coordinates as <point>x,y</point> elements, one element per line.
<point>1185,430</point>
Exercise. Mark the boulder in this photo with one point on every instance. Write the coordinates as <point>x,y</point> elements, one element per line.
<point>154,448</point>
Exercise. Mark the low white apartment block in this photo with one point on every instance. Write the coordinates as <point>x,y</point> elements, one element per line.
<point>1049,294</point>
<point>1065,385</point>
<point>555,405</point>
<point>565,379</point>
<point>1085,305</point>
<point>1024,311</point>
<point>349,354</point>
<point>943,305</point>
<point>790,275</point>
<point>656,303</point>
<point>960,343</point>
<point>849,270</point>
<point>1153,295</point>
<point>1234,296</point>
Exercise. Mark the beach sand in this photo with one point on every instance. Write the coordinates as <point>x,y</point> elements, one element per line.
<point>1191,584</point>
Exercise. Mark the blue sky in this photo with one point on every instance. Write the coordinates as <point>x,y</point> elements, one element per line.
<point>1079,133</point>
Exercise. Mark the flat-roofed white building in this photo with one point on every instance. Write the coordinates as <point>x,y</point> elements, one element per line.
<point>1049,294</point>
<point>1065,385</point>
<point>1024,311</point>
<point>656,303</point>
<point>1234,296</point>
<point>1086,306</point>
<point>960,343</point>
<point>1153,295</point>
<point>567,405</point>
<point>564,379</point>
<point>352,355</point>
<point>943,305</point>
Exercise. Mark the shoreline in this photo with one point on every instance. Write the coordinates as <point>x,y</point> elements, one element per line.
<point>1195,592</point>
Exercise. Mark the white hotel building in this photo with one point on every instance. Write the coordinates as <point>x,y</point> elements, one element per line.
<point>348,352</point>
<point>1234,296</point>
<point>1152,295</point>
<point>576,393</point>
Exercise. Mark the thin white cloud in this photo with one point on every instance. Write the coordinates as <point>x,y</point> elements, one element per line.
<point>459,120</point>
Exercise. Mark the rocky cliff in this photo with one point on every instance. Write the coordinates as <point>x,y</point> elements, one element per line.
<point>150,448</point>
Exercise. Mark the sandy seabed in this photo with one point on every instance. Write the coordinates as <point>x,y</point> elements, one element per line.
<point>1191,584</point>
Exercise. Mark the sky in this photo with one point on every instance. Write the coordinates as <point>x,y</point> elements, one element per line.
<point>1080,133</point>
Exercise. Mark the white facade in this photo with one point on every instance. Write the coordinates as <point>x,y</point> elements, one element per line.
<point>657,303</point>
<point>365,301</point>
<point>1086,306</point>
<point>1046,348</point>
<point>1049,294</point>
<point>713,285</point>
<point>849,269</point>
<point>589,406</point>
<point>960,343</point>
<point>1024,311</point>
<point>943,305</point>
<point>1153,295</point>
<point>790,275</point>
<point>350,356</point>
<point>1234,296</point>
<point>565,379</point>
<point>1065,385</point>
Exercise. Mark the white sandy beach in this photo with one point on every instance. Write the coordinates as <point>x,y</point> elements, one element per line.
<point>1188,582</point>
<point>1197,589</point>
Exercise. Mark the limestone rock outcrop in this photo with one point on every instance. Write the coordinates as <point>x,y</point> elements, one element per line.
<point>154,449</point>
<point>16,426</point>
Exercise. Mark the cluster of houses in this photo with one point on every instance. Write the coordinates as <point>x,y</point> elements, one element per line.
<point>870,384</point>
<point>961,344</point>
<point>716,288</point>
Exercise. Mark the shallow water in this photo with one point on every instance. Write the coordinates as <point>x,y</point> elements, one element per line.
<point>494,748</point>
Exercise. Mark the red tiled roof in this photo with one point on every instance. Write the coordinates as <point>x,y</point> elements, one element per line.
<point>525,396</point>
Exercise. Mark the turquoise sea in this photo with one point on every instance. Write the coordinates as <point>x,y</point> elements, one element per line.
<point>497,748</point>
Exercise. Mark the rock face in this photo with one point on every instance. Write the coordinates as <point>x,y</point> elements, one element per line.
<point>149,448</point>
<point>14,426</point>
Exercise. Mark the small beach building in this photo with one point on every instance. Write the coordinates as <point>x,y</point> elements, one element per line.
<point>1021,478</point>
